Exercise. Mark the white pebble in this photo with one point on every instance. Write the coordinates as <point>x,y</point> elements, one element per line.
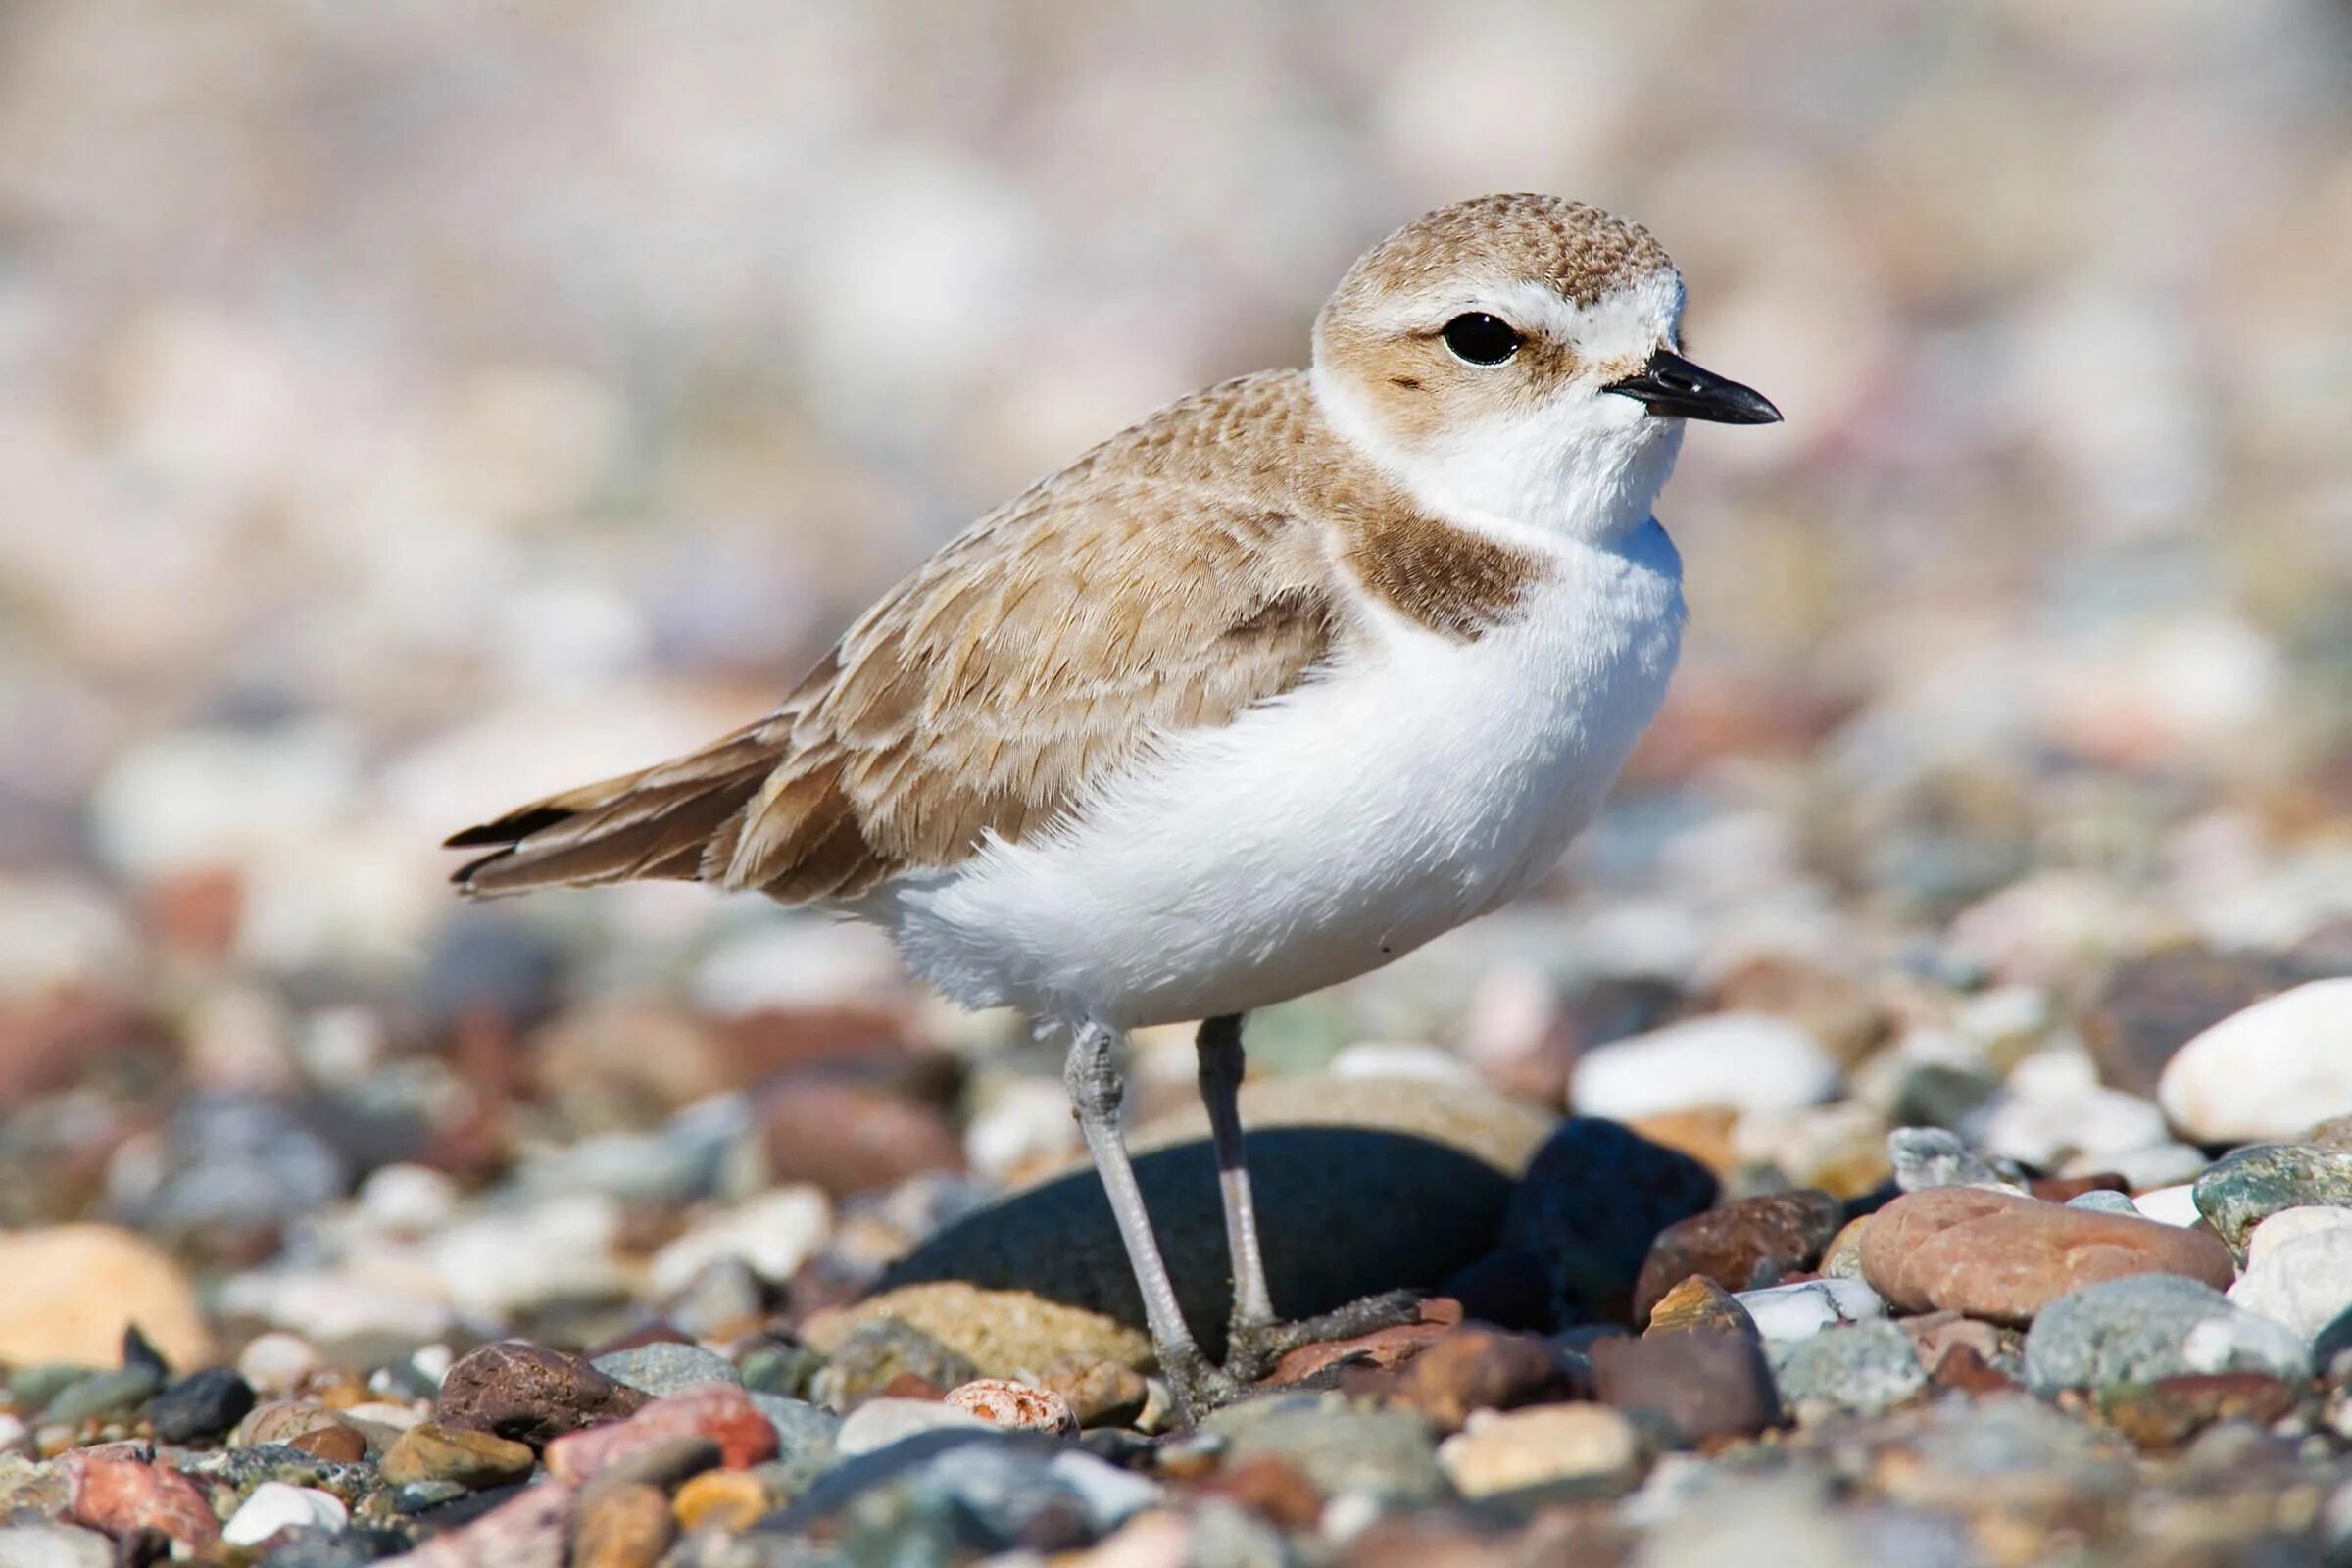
<point>1801,1310</point>
<point>774,1234</point>
<point>275,1505</point>
<point>275,1362</point>
<point>2265,1072</point>
<point>1745,1061</point>
<point>880,1423</point>
<point>407,1199</point>
<point>2299,1269</point>
<point>2174,1206</point>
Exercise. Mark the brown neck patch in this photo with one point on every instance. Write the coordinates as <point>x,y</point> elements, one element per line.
<point>1445,578</point>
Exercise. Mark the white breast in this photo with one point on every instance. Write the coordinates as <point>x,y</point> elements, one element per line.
<point>1325,832</point>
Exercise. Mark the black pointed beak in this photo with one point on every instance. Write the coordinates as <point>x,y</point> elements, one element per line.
<point>1672,385</point>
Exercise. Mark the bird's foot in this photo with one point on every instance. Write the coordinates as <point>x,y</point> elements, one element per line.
<point>1251,1350</point>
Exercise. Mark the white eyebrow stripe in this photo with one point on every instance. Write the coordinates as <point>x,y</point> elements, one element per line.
<point>1630,320</point>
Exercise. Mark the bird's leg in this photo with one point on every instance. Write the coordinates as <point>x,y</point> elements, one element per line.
<point>1253,1340</point>
<point>1095,1094</point>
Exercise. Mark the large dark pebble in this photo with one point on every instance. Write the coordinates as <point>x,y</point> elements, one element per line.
<point>202,1404</point>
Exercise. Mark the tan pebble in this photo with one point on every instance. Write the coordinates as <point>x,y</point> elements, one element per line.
<point>724,1500</point>
<point>1700,1305</point>
<point>74,1289</point>
<point>430,1452</point>
<point>627,1527</point>
<point>1508,1451</point>
<point>1014,1406</point>
<point>336,1444</point>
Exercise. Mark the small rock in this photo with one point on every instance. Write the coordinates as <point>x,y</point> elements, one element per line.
<point>1790,1312</point>
<point>530,1394</point>
<point>2151,1007</point>
<point>54,1545</point>
<point>529,1530</point>
<point>286,1421</point>
<point>2267,1071</point>
<point>1388,1455</point>
<point>847,1137</point>
<point>1474,1369</point>
<point>1588,1448</point>
<point>122,1496</point>
<point>719,1411</point>
<point>2152,1326</point>
<point>1701,1385</point>
<point>1862,1367</point>
<point>775,1233</point>
<point>465,1455</point>
<point>1741,1247</point>
<point>1931,1156</point>
<point>202,1404</point>
<point>1995,1255</point>
<point>1014,1406</point>
<point>2103,1201</point>
<point>724,1500</point>
<point>1099,1394</point>
<point>623,1527</point>
<point>665,1367</point>
<point>1747,1060</point>
<point>878,1423</point>
<point>2299,1269</point>
<point>110,1393</point>
<point>801,1429</point>
<point>1267,1484</point>
<point>74,1289</point>
<point>2243,1189</point>
<point>1842,1259</point>
<point>273,1506</point>
<point>2170,1205</point>
<point>2167,1413</point>
<point>877,1353</point>
<point>275,1361</point>
<point>1593,1201</point>
<point>1700,1305</point>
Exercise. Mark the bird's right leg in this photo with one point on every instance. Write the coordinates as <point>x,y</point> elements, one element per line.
<point>1093,1079</point>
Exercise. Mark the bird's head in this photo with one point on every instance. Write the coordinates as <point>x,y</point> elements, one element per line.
<point>1515,358</point>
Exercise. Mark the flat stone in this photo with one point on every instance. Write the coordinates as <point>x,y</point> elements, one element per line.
<point>113,1391</point>
<point>1997,1255</point>
<point>1473,1369</point>
<point>1700,1386</point>
<point>469,1457</point>
<point>1589,1449</point>
<point>2152,1326</point>
<point>1742,1247</point>
<point>880,1423</point>
<point>2165,1414</point>
<point>1345,1212</point>
<point>1862,1367</point>
<point>1388,1455</point>
<point>1590,1208</point>
<point>2265,1072</point>
<point>1747,1060</point>
<point>666,1367</point>
<point>1790,1312</point>
<point>530,1394</point>
<point>719,1411</point>
<point>2245,1187</point>
<point>2299,1269</point>
<point>997,1333</point>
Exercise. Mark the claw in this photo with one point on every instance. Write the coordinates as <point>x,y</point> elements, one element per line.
<point>1251,1350</point>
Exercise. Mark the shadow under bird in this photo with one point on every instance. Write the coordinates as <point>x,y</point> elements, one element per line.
<point>1293,676</point>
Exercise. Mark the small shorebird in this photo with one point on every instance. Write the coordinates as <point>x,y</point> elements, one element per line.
<point>1286,680</point>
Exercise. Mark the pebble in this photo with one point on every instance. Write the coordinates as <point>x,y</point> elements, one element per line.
<point>1862,1367</point>
<point>1014,1406</point>
<point>108,1392</point>
<point>2169,1205</point>
<point>1748,1062</point>
<point>273,1363</point>
<point>74,1289</point>
<point>54,1545</point>
<point>202,1404</point>
<point>1099,1394</point>
<point>1474,1369</point>
<point>120,1496</point>
<point>2245,1187</point>
<point>623,1527</point>
<point>273,1506</point>
<point>1995,1256</point>
<point>1592,1203</point>
<point>1553,1445</point>
<point>530,1394</point>
<point>801,1429</point>
<point>878,1423</point>
<point>293,1422</point>
<point>724,1500</point>
<point>666,1367</point>
<point>1700,1386</point>
<point>1801,1310</point>
<point>2266,1073</point>
<point>2149,1007</point>
<point>1700,1305</point>
<point>846,1136</point>
<point>529,1530</point>
<point>1741,1247</point>
<point>2152,1326</point>
<point>719,1411</point>
<point>993,1333</point>
<point>1388,1456</point>
<point>1931,1157</point>
<point>775,1233</point>
<point>876,1355</point>
<point>2299,1269</point>
<point>463,1456</point>
<point>2102,1200</point>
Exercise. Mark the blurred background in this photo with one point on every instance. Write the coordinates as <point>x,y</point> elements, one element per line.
<point>408,408</point>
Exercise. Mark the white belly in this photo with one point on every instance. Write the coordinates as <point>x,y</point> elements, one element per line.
<point>1324,833</point>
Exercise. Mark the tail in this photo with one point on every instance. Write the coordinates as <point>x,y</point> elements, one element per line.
<point>659,822</point>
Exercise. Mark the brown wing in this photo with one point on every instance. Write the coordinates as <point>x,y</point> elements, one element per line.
<point>1028,659</point>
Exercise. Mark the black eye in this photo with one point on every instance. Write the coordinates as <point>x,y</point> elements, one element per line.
<point>1481,339</point>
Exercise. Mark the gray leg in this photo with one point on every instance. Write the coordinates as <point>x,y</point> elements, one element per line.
<point>1095,1094</point>
<point>1220,1050</point>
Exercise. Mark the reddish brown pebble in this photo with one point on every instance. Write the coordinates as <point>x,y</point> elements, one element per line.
<point>2001,1256</point>
<point>528,1531</point>
<point>850,1137</point>
<point>122,1496</point>
<point>1962,1368</point>
<point>1382,1349</point>
<point>1014,1406</point>
<point>1742,1247</point>
<point>1702,1384</point>
<point>1270,1485</point>
<point>336,1444</point>
<point>2167,1413</point>
<point>910,1386</point>
<point>530,1394</point>
<point>1099,1394</point>
<point>719,1411</point>
<point>1483,1369</point>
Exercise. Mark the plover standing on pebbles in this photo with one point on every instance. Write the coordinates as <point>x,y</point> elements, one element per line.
<point>1286,680</point>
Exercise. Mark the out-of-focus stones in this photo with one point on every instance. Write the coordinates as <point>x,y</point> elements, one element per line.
<point>1588,1448</point>
<point>878,1423</point>
<point>1700,1386</point>
<point>2146,1327</point>
<point>2243,1189</point>
<point>1474,1369</point>
<point>1745,1060</point>
<point>1863,1367</point>
<point>2266,1073</point>
<point>2166,1414</point>
<point>104,1394</point>
<point>120,1496</point>
<point>1014,1406</point>
<point>530,1394</point>
<point>202,1404</point>
<point>274,1506</point>
<point>848,1137</point>
<point>469,1458</point>
<point>1389,1456</point>
<point>875,1355</point>
<point>1742,1247</point>
<point>75,1289</point>
<point>722,1412</point>
<point>2299,1269</point>
<point>2151,1007</point>
<point>730,1501</point>
<point>1931,1156</point>
<point>1099,1394</point>
<point>1592,1207</point>
<point>666,1367</point>
<point>623,1527</point>
<point>1995,1256</point>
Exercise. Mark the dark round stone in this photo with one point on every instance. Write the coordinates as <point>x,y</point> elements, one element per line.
<point>202,1404</point>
